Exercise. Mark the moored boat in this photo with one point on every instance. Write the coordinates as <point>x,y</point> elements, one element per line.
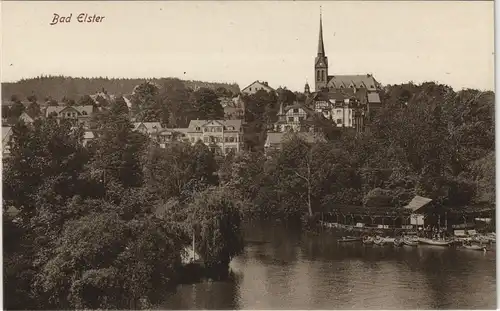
<point>398,242</point>
<point>434,242</point>
<point>346,239</point>
<point>410,242</point>
<point>378,241</point>
<point>389,239</point>
<point>475,247</point>
<point>367,240</point>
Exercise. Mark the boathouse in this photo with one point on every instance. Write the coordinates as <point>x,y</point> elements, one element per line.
<point>417,206</point>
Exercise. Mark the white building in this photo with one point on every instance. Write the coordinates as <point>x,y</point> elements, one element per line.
<point>221,136</point>
<point>256,86</point>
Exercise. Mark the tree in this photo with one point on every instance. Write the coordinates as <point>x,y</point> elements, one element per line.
<point>119,106</point>
<point>286,96</point>
<point>116,263</point>
<point>118,149</point>
<point>146,103</point>
<point>261,111</point>
<point>86,100</point>
<point>177,108</point>
<point>17,109</point>
<point>224,92</point>
<point>33,109</point>
<point>179,170</point>
<point>68,101</point>
<point>40,175</point>
<point>6,113</point>
<point>206,105</point>
<point>216,216</point>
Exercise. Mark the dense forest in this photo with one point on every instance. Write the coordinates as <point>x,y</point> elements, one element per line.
<point>58,87</point>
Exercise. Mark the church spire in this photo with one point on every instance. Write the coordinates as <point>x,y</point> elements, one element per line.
<point>321,47</point>
<point>321,61</point>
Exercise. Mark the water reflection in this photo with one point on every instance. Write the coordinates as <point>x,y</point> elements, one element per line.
<point>281,269</point>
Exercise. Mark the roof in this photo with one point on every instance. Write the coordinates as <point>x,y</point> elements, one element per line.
<point>82,110</point>
<point>226,123</point>
<point>417,202</point>
<point>88,135</point>
<point>150,126</point>
<point>274,138</point>
<point>373,98</point>
<point>263,84</point>
<point>26,117</point>
<point>359,81</point>
<point>6,133</point>
<point>342,94</point>
<point>167,131</point>
<point>300,106</point>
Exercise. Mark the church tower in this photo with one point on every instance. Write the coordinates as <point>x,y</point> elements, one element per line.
<point>321,62</point>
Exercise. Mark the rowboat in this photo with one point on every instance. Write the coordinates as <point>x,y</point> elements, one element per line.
<point>346,239</point>
<point>379,241</point>
<point>398,242</point>
<point>367,240</point>
<point>434,242</point>
<point>389,240</point>
<point>475,247</point>
<point>410,242</point>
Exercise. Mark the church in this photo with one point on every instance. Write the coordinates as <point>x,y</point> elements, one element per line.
<point>345,99</point>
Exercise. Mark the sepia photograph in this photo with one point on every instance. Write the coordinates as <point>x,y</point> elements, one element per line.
<point>258,155</point>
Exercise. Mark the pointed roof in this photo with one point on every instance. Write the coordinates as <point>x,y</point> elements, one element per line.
<point>321,46</point>
<point>417,203</point>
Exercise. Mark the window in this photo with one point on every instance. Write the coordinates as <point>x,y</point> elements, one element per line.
<point>339,111</point>
<point>205,139</point>
<point>84,113</point>
<point>290,119</point>
<point>249,88</point>
<point>231,139</point>
<point>317,75</point>
<point>322,75</point>
<point>301,118</point>
<point>295,110</point>
<point>197,128</point>
<point>339,121</point>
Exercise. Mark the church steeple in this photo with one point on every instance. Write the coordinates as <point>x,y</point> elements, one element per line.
<point>321,61</point>
<point>321,46</point>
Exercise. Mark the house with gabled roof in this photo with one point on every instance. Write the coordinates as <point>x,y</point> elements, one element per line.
<point>345,109</point>
<point>74,114</point>
<point>221,136</point>
<point>170,135</point>
<point>256,86</point>
<point>147,128</point>
<point>292,118</point>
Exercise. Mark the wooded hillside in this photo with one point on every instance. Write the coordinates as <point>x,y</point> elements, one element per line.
<point>58,87</point>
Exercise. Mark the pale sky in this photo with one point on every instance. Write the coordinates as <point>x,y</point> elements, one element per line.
<point>448,42</point>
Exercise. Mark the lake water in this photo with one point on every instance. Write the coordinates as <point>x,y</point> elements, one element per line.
<point>284,269</point>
